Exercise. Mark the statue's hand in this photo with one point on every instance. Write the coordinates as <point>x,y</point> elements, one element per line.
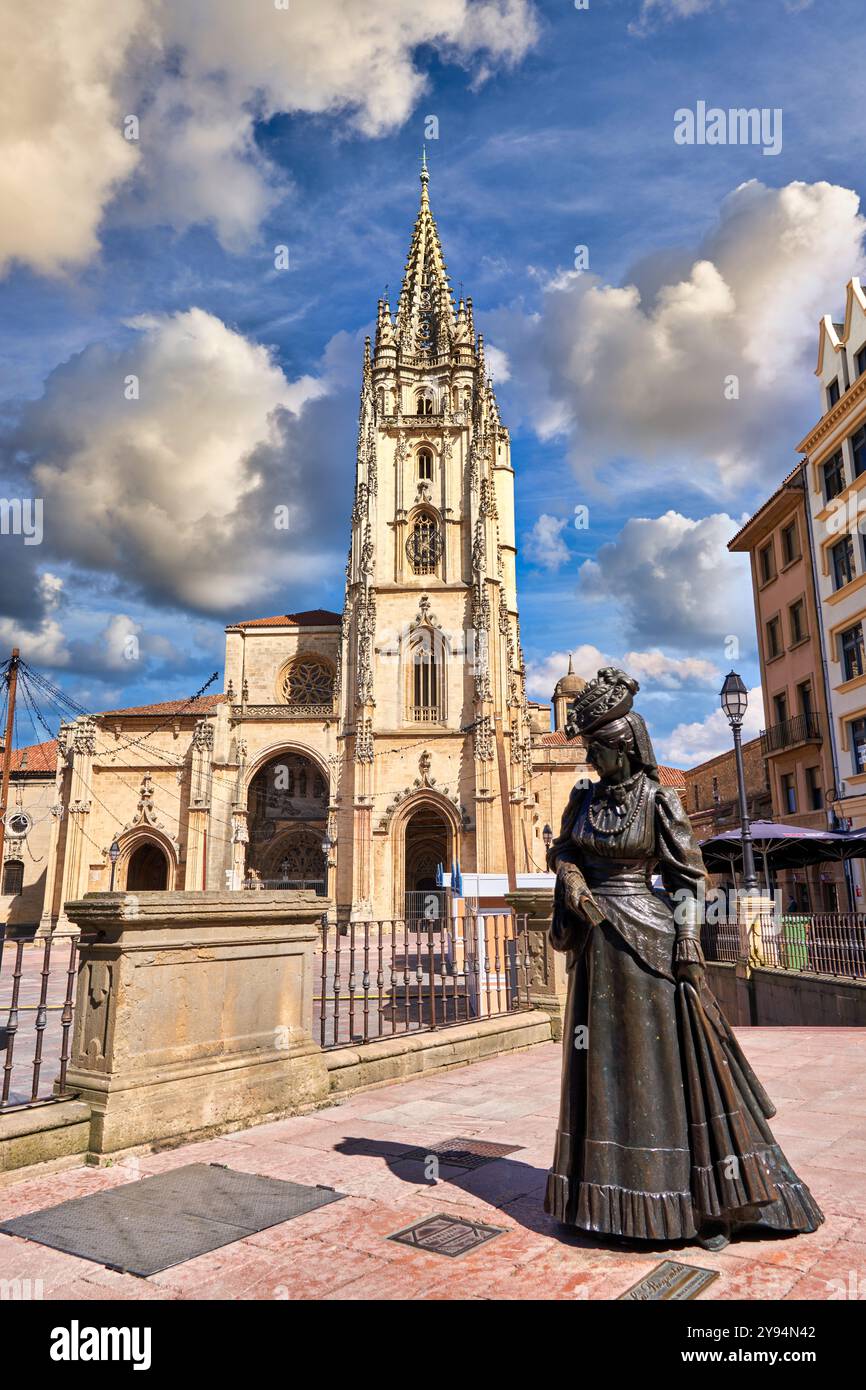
<point>690,972</point>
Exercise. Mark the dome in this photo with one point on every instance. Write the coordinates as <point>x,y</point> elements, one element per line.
<point>569,684</point>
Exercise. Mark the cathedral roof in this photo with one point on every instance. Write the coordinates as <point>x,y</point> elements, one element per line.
<point>204,702</point>
<point>38,757</point>
<point>311,617</point>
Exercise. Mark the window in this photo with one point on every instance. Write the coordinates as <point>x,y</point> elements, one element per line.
<point>858,744</point>
<point>716,796</point>
<point>832,393</point>
<point>766,563</point>
<point>790,543</point>
<point>860,360</point>
<point>774,638</point>
<point>426,689</point>
<point>797,615</point>
<point>308,681</point>
<point>424,545</point>
<point>851,644</point>
<point>789,794</point>
<point>13,877</point>
<point>804,694</point>
<point>834,477</point>
<point>780,708</point>
<point>842,562</point>
<point>858,450</point>
<point>425,464</point>
<point>424,403</point>
<point>697,795</point>
<point>813,785</point>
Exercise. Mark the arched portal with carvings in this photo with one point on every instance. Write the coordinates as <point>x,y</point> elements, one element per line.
<point>287,813</point>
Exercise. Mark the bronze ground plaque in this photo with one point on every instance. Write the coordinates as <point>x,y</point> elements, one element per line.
<point>446,1235</point>
<point>670,1280</point>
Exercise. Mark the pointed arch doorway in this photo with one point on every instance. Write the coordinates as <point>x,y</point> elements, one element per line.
<point>428,842</point>
<point>147,870</point>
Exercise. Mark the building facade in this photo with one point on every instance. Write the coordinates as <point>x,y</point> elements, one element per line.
<point>354,751</point>
<point>834,467</point>
<point>796,740</point>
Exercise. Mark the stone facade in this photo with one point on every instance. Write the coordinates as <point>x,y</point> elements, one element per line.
<point>350,752</point>
<point>710,795</point>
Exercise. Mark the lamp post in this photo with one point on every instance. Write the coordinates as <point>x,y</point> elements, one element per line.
<point>735,700</point>
<point>327,846</point>
<point>547,837</point>
<point>113,856</point>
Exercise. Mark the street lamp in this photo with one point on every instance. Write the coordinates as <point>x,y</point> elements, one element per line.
<point>735,700</point>
<point>547,836</point>
<point>113,856</point>
<point>327,846</point>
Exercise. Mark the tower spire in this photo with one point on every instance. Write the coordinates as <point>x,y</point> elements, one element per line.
<point>425,310</point>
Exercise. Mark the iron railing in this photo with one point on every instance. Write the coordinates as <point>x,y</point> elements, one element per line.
<point>800,728</point>
<point>37,983</point>
<point>381,978</point>
<point>818,943</point>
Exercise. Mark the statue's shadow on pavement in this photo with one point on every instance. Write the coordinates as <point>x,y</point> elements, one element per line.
<point>514,1188</point>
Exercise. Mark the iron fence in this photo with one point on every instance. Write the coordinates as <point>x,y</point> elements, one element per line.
<point>821,943</point>
<point>37,984</point>
<point>316,885</point>
<point>816,943</point>
<point>381,978</point>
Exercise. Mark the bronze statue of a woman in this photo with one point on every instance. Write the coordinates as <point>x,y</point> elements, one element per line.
<point>663,1130</point>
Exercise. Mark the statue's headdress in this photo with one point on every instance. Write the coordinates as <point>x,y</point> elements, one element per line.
<point>610,696</point>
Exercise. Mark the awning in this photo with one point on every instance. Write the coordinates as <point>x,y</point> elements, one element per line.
<point>781,846</point>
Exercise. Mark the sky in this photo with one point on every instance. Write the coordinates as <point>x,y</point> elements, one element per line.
<point>200,205</point>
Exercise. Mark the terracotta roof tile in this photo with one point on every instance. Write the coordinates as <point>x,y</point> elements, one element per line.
<point>312,617</point>
<point>203,703</point>
<point>672,776</point>
<point>38,757</point>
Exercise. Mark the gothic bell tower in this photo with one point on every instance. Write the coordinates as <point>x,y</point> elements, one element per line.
<point>435,735</point>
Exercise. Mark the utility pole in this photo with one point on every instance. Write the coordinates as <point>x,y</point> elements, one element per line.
<point>12,682</point>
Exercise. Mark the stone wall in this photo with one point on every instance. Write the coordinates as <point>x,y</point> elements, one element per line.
<point>786,998</point>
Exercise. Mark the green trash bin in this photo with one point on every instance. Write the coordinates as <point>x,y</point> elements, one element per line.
<point>794,942</point>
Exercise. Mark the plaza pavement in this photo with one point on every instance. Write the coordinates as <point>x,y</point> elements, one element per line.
<point>817,1078</point>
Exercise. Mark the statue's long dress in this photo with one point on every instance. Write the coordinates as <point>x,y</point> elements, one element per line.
<point>663,1125</point>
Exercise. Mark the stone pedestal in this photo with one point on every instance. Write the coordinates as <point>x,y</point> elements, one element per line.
<point>548,980</point>
<point>194,1012</point>
<point>753,912</point>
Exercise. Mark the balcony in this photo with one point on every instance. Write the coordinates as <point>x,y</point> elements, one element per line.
<point>802,728</point>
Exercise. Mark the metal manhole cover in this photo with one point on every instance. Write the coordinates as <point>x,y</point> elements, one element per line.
<point>147,1226</point>
<point>464,1153</point>
<point>446,1235</point>
<point>670,1281</point>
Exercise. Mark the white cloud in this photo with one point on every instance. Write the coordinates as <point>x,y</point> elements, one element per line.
<point>543,544</point>
<point>62,150</point>
<point>669,10</point>
<point>655,670</point>
<point>639,371</point>
<point>675,581</point>
<point>43,642</point>
<point>690,744</point>
<point>176,490</point>
<point>198,75</point>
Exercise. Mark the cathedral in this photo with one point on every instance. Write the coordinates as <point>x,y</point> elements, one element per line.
<point>358,751</point>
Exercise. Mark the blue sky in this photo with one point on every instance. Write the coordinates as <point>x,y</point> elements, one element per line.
<point>259,128</point>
